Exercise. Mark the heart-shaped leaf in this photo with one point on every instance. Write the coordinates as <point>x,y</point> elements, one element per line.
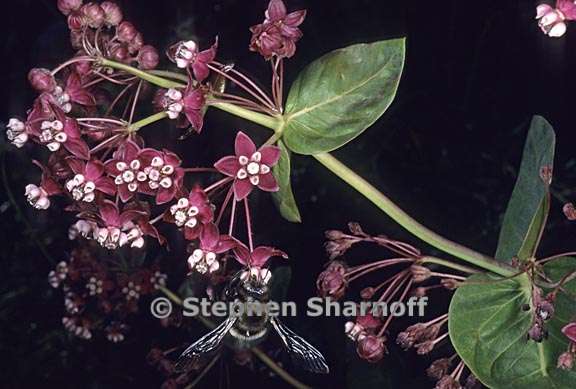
<point>488,328</point>
<point>528,207</point>
<point>338,96</point>
<point>284,198</point>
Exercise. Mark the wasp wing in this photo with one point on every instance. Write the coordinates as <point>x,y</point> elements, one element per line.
<point>302,352</point>
<point>206,344</point>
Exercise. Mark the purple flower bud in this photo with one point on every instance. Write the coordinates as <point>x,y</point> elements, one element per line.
<point>67,6</point>
<point>545,310</point>
<point>42,80</point>
<point>367,293</point>
<point>119,53</point>
<point>420,273</point>
<point>332,281</point>
<point>113,13</point>
<point>439,368</point>
<point>448,382</point>
<point>126,32</point>
<point>537,332</point>
<point>76,21</point>
<point>569,211</point>
<point>148,58</point>
<point>136,43</point>
<point>94,14</point>
<point>371,348</point>
<point>565,361</point>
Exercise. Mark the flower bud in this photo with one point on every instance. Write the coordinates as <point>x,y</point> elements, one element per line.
<point>448,382</point>
<point>136,43</point>
<point>569,211</point>
<point>112,12</point>
<point>545,310</point>
<point>565,361</point>
<point>119,53</point>
<point>126,32</point>
<point>94,14</point>
<point>42,80</point>
<point>76,39</point>
<point>420,273</point>
<point>67,6</point>
<point>371,348</point>
<point>148,58</point>
<point>537,332</point>
<point>439,368</point>
<point>569,331</point>
<point>334,235</point>
<point>76,21</point>
<point>367,293</point>
<point>332,281</point>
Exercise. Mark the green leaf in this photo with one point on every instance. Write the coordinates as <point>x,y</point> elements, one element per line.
<point>488,328</point>
<point>284,198</point>
<point>528,207</point>
<point>338,96</point>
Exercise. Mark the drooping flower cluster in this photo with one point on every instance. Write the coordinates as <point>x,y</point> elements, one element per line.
<point>97,296</point>
<point>552,20</point>
<point>278,34</point>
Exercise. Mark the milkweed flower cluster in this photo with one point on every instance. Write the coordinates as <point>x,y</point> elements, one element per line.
<point>97,296</point>
<point>412,276</point>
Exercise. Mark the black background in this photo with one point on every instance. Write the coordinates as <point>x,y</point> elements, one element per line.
<point>447,151</point>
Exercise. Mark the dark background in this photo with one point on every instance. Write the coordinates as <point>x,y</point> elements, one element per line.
<point>447,151</point>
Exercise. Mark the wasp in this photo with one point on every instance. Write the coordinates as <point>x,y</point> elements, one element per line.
<point>246,330</point>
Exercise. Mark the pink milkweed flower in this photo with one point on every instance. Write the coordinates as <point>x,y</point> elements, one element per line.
<point>76,93</point>
<point>54,129</point>
<point>278,34</point>
<point>256,260</point>
<point>204,259</point>
<point>122,228</point>
<point>192,213</point>
<point>88,178</point>
<point>371,348</point>
<point>250,167</point>
<point>569,331</point>
<point>186,54</point>
<point>552,21</point>
<point>192,102</point>
<point>146,171</point>
<point>38,196</point>
<point>16,132</point>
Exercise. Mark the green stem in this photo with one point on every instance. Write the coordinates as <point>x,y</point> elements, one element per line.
<point>402,218</point>
<point>169,74</point>
<point>148,76</point>
<point>449,264</point>
<point>271,122</point>
<point>147,120</point>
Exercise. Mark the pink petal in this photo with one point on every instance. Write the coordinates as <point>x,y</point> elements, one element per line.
<point>83,97</point>
<point>171,158</point>
<point>94,169</point>
<point>50,186</point>
<point>243,145</point>
<point>209,236</point>
<point>293,33</point>
<point>242,254</point>
<point>165,194</point>
<point>276,10</point>
<point>77,166</point>
<point>270,155</point>
<point>242,188</point>
<point>77,147</point>
<point>110,214</point>
<point>110,166</point>
<point>294,19</point>
<point>570,331</point>
<point>268,183</point>
<point>194,100</point>
<point>106,185</point>
<point>131,216</point>
<point>200,70</point>
<point>568,8</point>
<point>228,165</point>
<point>225,243</point>
<point>71,128</point>
<point>150,230</point>
<point>130,151</point>
<point>125,194</point>
<point>195,118</point>
<point>261,254</point>
<point>147,155</point>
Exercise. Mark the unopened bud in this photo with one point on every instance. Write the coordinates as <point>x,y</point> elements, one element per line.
<point>112,12</point>
<point>126,32</point>
<point>94,14</point>
<point>565,361</point>
<point>371,348</point>
<point>42,80</point>
<point>420,273</point>
<point>569,211</point>
<point>148,58</point>
<point>67,6</point>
